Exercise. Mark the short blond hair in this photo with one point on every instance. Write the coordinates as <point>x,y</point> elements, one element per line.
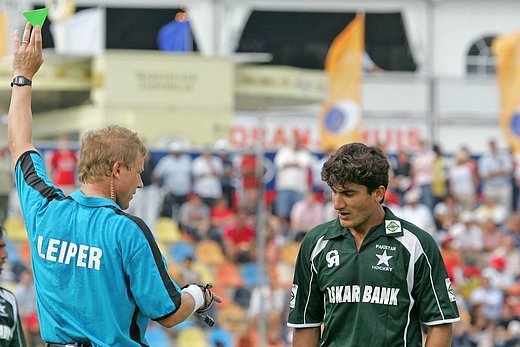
<point>101,148</point>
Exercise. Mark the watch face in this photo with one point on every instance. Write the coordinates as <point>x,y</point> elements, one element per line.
<point>21,81</point>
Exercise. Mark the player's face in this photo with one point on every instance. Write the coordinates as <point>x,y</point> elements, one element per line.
<point>358,210</point>
<point>3,254</point>
<point>130,180</point>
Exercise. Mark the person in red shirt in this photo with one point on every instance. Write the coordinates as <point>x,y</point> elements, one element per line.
<point>62,165</point>
<point>453,258</point>
<point>248,172</point>
<point>239,239</point>
<point>221,216</point>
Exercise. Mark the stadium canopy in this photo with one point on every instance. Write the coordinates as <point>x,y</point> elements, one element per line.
<point>218,24</point>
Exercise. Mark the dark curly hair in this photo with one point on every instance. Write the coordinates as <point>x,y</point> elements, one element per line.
<point>359,164</point>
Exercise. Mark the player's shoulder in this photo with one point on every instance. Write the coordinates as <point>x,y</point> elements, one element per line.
<point>7,294</point>
<point>5,290</point>
<point>412,234</point>
<point>28,159</point>
<point>126,222</point>
<point>414,229</point>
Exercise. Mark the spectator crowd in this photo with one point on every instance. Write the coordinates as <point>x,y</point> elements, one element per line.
<point>203,209</point>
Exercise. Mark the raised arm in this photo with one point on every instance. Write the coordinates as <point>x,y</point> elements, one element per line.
<point>26,62</point>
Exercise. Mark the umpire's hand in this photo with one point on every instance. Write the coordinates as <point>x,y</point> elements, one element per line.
<point>28,55</point>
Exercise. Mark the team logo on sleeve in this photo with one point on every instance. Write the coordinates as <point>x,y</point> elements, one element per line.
<point>449,288</point>
<point>392,226</point>
<point>294,290</point>
<point>3,312</point>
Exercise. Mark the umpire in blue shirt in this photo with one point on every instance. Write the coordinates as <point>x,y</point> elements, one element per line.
<point>99,274</point>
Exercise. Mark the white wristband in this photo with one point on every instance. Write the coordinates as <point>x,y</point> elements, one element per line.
<point>197,295</point>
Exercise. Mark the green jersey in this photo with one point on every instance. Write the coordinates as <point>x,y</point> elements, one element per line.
<point>377,296</point>
<point>11,333</point>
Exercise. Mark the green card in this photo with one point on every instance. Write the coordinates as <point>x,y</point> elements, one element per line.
<point>36,17</point>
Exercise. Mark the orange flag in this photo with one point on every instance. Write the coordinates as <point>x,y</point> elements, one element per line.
<point>4,38</point>
<point>340,119</point>
<point>507,51</point>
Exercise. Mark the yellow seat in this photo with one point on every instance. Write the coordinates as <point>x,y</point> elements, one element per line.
<point>15,229</point>
<point>289,252</point>
<point>209,252</point>
<point>167,231</point>
<point>205,273</point>
<point>192,337</point>
<point>164,251</point>
<point>284,273</point>
<point>232,318</point>
<point>175,272</point>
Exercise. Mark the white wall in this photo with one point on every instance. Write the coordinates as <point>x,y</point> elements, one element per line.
<point>457,24</point>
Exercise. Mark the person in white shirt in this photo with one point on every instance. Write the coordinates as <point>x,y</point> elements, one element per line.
<point>467,234</point>
<point>463,180</point>
<point>422,173</point>
<point>294,166</point>
<point>495,170</point>
<point>491,209</point>
<point>173,174</point>
<point>207,171</point>
<point>489,296</point>
<point>418,213</point>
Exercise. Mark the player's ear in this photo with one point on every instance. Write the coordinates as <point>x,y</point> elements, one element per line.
<point>379,194</point>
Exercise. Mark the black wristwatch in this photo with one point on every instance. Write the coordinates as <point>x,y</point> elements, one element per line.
<point>21,81</point>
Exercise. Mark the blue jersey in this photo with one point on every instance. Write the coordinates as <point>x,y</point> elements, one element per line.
<point>99,275</point>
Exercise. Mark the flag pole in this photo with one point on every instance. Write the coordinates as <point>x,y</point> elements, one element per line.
<point>260,226</point>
